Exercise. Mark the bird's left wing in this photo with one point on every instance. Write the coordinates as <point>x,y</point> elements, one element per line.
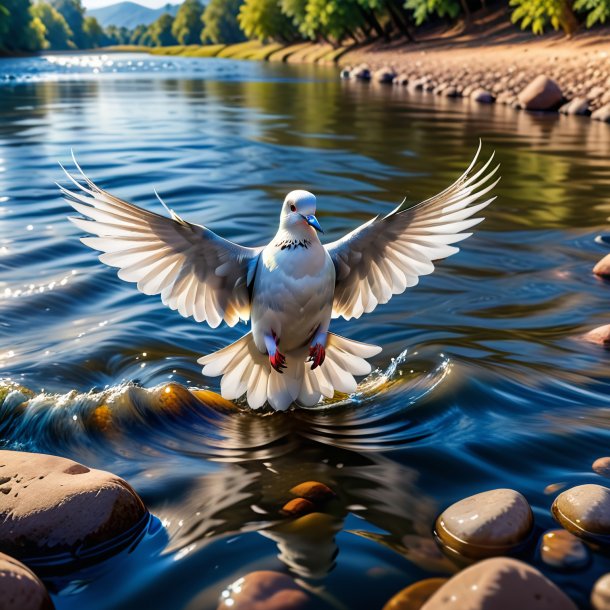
<point>196,271</point>
<point>386,255</point>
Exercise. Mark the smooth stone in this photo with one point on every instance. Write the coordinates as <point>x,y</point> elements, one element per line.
<point>602,114</point>
<point>53,505</point>
<point>384,75</point>
<point>314,491</point>
<point>603,267</point>
<point>577,106</point>
<point>401,79</point>
<point>345,73</point>
<point>482,96</point>
<point>543,93</point>
<point>599,335</point>
<point>602,466</point>
<point>486,524</point>
<point>20,588</point>
<point>361,72</point>
<point>584,510</point>
<point>416,595</point>
<point>263,590</point>
<point>297,507</point>
<point>596,92</point>
<point>451,92</point>
<point>600,596</point>
<point>500,583</point>
<point>560,549</point>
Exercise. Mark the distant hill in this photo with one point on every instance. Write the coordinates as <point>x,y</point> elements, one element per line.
<point>130,14</point>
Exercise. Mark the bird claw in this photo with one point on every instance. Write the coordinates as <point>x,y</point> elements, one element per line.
<point>278,362</point>
<point>317,353</point>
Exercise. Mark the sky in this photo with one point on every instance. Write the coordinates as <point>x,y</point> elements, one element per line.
<point>149,3</point>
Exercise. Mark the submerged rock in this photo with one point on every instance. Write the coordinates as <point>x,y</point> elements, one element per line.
<point>20,588</point>
<point>560,549</point>
<point>53,505</point>
<point>602,466</point>
<point>600,596</point>
<point>584,510</point>
<point>500,583</point>
<point>486,524</point>
<point>543,93</point>
<point>263,590</point>
<point>314,491</point>
<point>416,595</point>
<point>603,267</point>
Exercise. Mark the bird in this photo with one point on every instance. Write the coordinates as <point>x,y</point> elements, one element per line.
<point>290,288</point>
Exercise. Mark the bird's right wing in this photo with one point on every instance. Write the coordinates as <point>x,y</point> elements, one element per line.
<point>196,271</point>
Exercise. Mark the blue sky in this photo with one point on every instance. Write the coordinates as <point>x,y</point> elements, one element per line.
<point>149,3</point>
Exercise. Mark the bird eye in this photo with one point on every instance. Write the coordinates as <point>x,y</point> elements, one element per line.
<point>293,208</point>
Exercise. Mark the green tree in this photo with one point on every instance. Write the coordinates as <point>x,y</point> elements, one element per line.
<point>20,30</point>
<point>220,25</point>
<point>264,20</point>
<point>160,32</point>
<point>538,15</point>
<point>331,19</point>
<point>58,35</point>
<point>426,9</point>
<point>74,14</point>
<point>94,33</point>
<point>597,11</point>
<point>115,35</point>
<point>137,33</point>
<point>187,24</point>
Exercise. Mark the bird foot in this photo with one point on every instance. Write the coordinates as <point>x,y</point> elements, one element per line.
<point>278,361</point>
<point>317,353</point>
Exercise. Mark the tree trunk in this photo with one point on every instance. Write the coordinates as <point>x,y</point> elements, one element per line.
<point>466,10</point>
<point>569,21</point>
<point>397,21</point>
<point>369,18</point>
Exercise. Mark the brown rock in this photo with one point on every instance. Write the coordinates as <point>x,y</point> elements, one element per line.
<point>384,75</point>
<point>50,504</point>
<point>313,491</point>
<point>599,335</point>
<point>584,510</point>
<point>20,588</point>
<point>542,93</point>
<point>264,590</point>
<point>600,596</point>
<point>298,507</point>
<point>482,96</point>
<point>602,114</point>
<point>603,267</point>
<point>560,549</point>
<point>576,106</point>
<point>416,595</point>
<point>602,466</point>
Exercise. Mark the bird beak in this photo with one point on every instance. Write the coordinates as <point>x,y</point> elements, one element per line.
<point>312,221</point>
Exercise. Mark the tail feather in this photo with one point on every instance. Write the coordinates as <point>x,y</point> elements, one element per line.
<point>246,370</point>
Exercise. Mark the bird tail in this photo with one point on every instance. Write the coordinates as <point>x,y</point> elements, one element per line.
<point>245,370</point>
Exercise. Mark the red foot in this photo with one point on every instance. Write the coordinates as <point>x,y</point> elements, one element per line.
<point>317,353</point>
<point>278,361</point>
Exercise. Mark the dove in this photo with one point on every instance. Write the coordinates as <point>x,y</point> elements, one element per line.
<point>291,288</point>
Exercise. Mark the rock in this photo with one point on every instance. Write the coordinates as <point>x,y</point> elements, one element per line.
<point>486,524</point>
<point>603,267</point>
<point>602,114</point>
<point>401,79</point>
<point>384,75</point>
<point>600,596</point>
<point>314,491</point>
<point>602,466</point>
<point>264,590</point>
<point>416,595</point>
<point>584,510</point>
<point>599,335</point>
<point>482,96</point>
<point>560,549</point>
<point>595,92</point>
<point>451,92</point>
<point>361,72</point>
<point>500,583</point>
<point>345,73</point>
<point>53,505</point>
<point>20,588</point>
<point>418,84</point>
<point>577,106</point>
<point>542,93</point>
<point>297,507</point>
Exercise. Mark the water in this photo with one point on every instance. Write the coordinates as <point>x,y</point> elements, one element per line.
<point>483,381</point>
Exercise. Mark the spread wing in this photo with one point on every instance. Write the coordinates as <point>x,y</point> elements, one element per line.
<point>386,255</point>
<point>196,272</point>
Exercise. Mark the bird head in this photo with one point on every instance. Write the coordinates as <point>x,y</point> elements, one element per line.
<point>299,211</point>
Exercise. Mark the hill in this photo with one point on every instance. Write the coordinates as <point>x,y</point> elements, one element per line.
<point>130,14</point>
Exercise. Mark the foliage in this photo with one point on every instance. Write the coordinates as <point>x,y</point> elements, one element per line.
<point>137,34</point>
<point>331,19</point>
<point>423,10</point>
<point>20,30</point>
<point>264,20</point>
<point>597,11</point>
<point>160,32</point>
<point>115,35</point>
<point>93,32</point>
<point>74,14</point>
<point>58,34</point>
<point>187,25</point>
<point>220,25</point>
<point>537,15</point>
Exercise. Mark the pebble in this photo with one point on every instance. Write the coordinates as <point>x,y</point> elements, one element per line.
<point>486,524</point>
<point>576,106</point>
<point>599,335</point>
<point>384,75</point>
<point>602,114</point>
<point>603,267</point>
<point>560,549</point>
<point>416,595</point>
<point>20,588</point>
<point>314,491</point>
<point>501,583</point>
<point>361,72</point>
<point>543,93</point>
<point>482,96</point>
<point>584,510</point>
<point>600,596</point>
<point>602,466</point>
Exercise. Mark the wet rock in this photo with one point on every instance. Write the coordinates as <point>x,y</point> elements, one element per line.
<point>486,524</point>
<point>297,507</point>
<point>401,79</point>
<point>599,335</point>
<point>543,93</point>
<point>416,595</point>
<point>602,466</point>
<point>603,267</point>
<point>602,114</point>
<point>314,491</point>
<point>577,106</point>
<point>361,72</point>
<point>584,510</point>
<point>600,596</point>
<point>53,505</point>
<point>596,92</point>
<point>384,75</point>
<point>451,92</point>
<point>20,588</point>
<point>418,84</point>
<point>345,73</point>
<point>560,549</point>
<point>500,583</point>
<point>482,96</point>
<point>263,590</point>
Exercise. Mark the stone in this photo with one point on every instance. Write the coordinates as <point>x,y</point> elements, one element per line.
<point>600,596</point>
<point>345,73</point>
<point>416,595</point>
<point>486,524</point>
<point>451,91</point>
<point>361,72</point>
<point>384,75</point>
<point>500,583</point>
<point>297,507</point>
<point>599,335</point>
<point>263,590</point>
<point>603,267</point>
<point>602,114</point>
<point>560,549</point>
<point>401,79</point>
<point>543,93</point>
<point>20,588</point>
<point>53,505</point>
<point>482,96</point>
<point>314,491</point>
<point>584,510</point>
<point>602,466</point>
<point>576,106</point>
<point>595,92</point>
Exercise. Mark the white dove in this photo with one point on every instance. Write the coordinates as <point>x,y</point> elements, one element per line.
<point>291,287</point>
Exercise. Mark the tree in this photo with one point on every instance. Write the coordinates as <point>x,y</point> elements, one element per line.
<point>94,33</point>
<point>264,20</point>
<point>20,30</point>
<point>187,24</point>
<point>137,33</point>
<point>598,11</point>
<point>332,19</point>
<point>220,25</point>
<point>425,9</point>
<point>58,35</point>
<point>160,32</point>
<point>539,14</point>
<point>115,35</point>
<point>74,14</point>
